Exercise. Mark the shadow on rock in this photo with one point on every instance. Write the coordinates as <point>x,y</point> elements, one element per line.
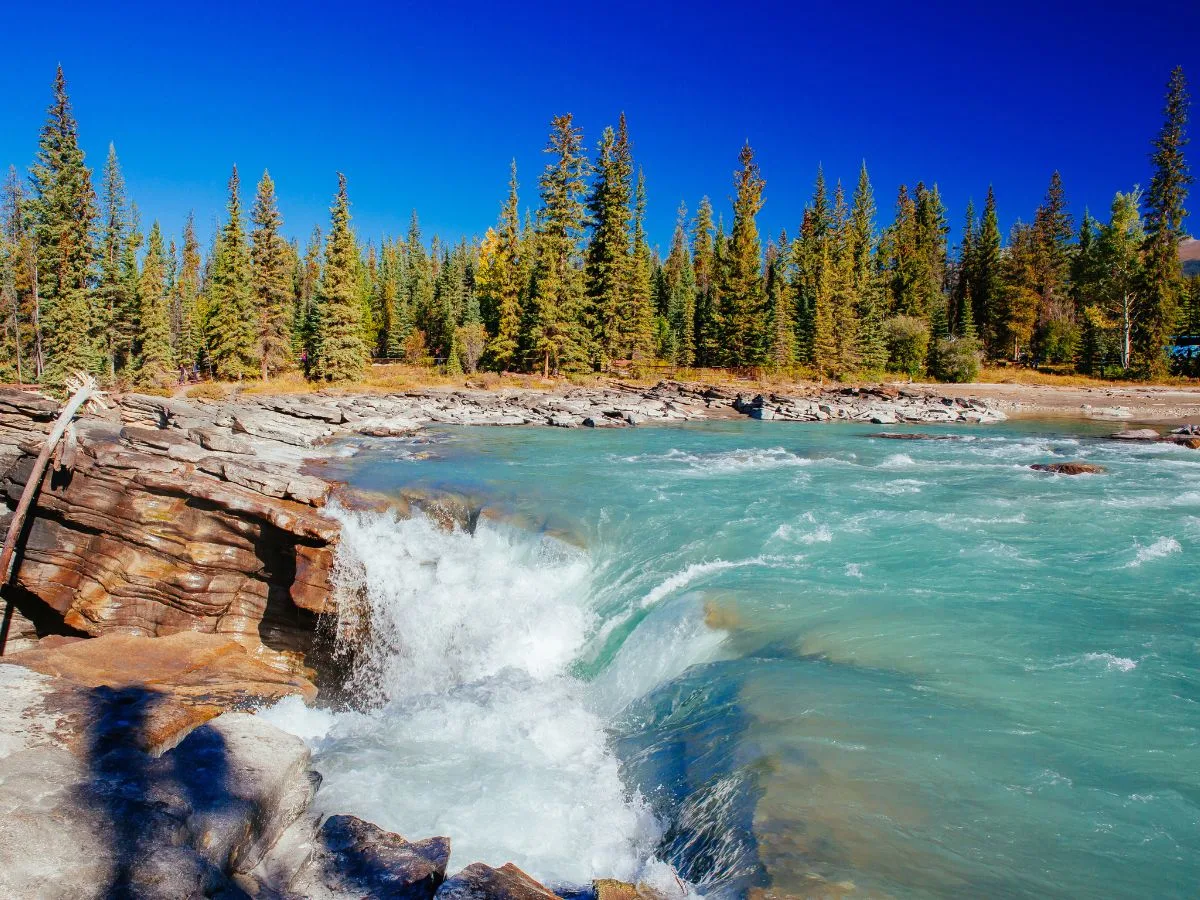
<point>148,803</point>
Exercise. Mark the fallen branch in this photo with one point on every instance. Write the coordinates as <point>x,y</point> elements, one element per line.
<point>84,391</point>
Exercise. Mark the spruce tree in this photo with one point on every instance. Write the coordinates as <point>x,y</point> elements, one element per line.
<point>556,339</point>
<point>636,319</point>
<point>419,278</point>
<point>823,355</point>
<point>117,306</point>
<point>844,285</point>
<point>23,271</point>
<point>231,324</point>
<point>340,352</point>
<point>270,283</point>
<point>1057,333</point>
<point>987,278</point>
<point>1165,213</point>
<point>783,329</point>
<point>704,270</point>
<point>155,360</point>
<point>307,281</point>
<point>741,309</point>
<point>961,294</point>
<point>1021,295</point>
<point>679,279</point>
<point>64,210</point>
<point>608,263</point>
<point>505,348</point>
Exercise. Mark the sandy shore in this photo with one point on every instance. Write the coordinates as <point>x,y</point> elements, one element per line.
<point>1165,405</point>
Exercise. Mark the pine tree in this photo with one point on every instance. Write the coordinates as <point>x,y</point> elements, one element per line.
<point>741,309</point>
<point>64,209</point>
<point>270,282</point>
<point>608,263</point>
<point>231,324</point>
<point>190,338</point>
<point>155,360</point>
<point>1165,213</point>
<point>340,352</point>
<point>555,336</point>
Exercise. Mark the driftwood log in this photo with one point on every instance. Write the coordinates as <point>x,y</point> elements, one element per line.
<point>85,391</point>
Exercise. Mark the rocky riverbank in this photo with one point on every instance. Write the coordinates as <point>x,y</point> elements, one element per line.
<point>176,571</point>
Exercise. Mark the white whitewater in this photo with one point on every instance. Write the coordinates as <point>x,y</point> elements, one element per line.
<point>477,728</point>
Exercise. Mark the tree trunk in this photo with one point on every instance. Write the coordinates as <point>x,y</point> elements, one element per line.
<point>35,477</point>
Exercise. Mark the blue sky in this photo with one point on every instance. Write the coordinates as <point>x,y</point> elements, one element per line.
<point>424,105</point>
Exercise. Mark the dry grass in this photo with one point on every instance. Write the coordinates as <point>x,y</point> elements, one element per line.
<point>1051,379</point>
<point>399,377</point>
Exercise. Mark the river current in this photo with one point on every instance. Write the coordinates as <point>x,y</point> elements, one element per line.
<point>739,655</point>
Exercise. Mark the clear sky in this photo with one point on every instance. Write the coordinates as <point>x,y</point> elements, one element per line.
<point>423,105</point>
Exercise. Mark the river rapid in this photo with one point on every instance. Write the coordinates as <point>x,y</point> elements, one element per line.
<point>737,655</point>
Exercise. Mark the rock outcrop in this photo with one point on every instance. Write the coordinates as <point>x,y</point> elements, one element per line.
<point>149,533</point>
<point>879,406</point>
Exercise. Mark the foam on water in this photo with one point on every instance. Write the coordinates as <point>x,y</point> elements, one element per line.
<point>1164,546</point>
<point>728,462</point>
<point>1117,663</point>
<point>478,730</point>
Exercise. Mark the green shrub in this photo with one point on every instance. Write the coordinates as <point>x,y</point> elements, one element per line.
<point>958,360</point>
<point>908,345</point>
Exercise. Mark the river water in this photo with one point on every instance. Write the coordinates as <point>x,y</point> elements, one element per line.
<point>738,655</point>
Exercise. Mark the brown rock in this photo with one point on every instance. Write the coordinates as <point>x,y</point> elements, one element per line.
<point>481,882</point>
<point>1069,468</point>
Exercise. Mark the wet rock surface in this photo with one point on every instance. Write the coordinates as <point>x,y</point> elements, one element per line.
<point>1069,468</point>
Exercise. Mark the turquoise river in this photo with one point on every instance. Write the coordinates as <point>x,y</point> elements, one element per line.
<point>745,658</point>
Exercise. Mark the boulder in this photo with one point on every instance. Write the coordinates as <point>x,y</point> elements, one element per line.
<point>347,858</point>
<point>1069,468</point>
<point>481,882</point>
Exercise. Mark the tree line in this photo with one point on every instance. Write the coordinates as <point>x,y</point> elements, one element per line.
<point>576,286</point>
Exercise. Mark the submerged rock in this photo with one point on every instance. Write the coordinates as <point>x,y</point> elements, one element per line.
<point>1069,468</point>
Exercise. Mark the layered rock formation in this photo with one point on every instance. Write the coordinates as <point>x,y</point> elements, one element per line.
<point>150,533</point>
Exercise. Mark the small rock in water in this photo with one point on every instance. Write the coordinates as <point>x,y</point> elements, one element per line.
<point>1136,434</point>
<point>1069,468</point>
